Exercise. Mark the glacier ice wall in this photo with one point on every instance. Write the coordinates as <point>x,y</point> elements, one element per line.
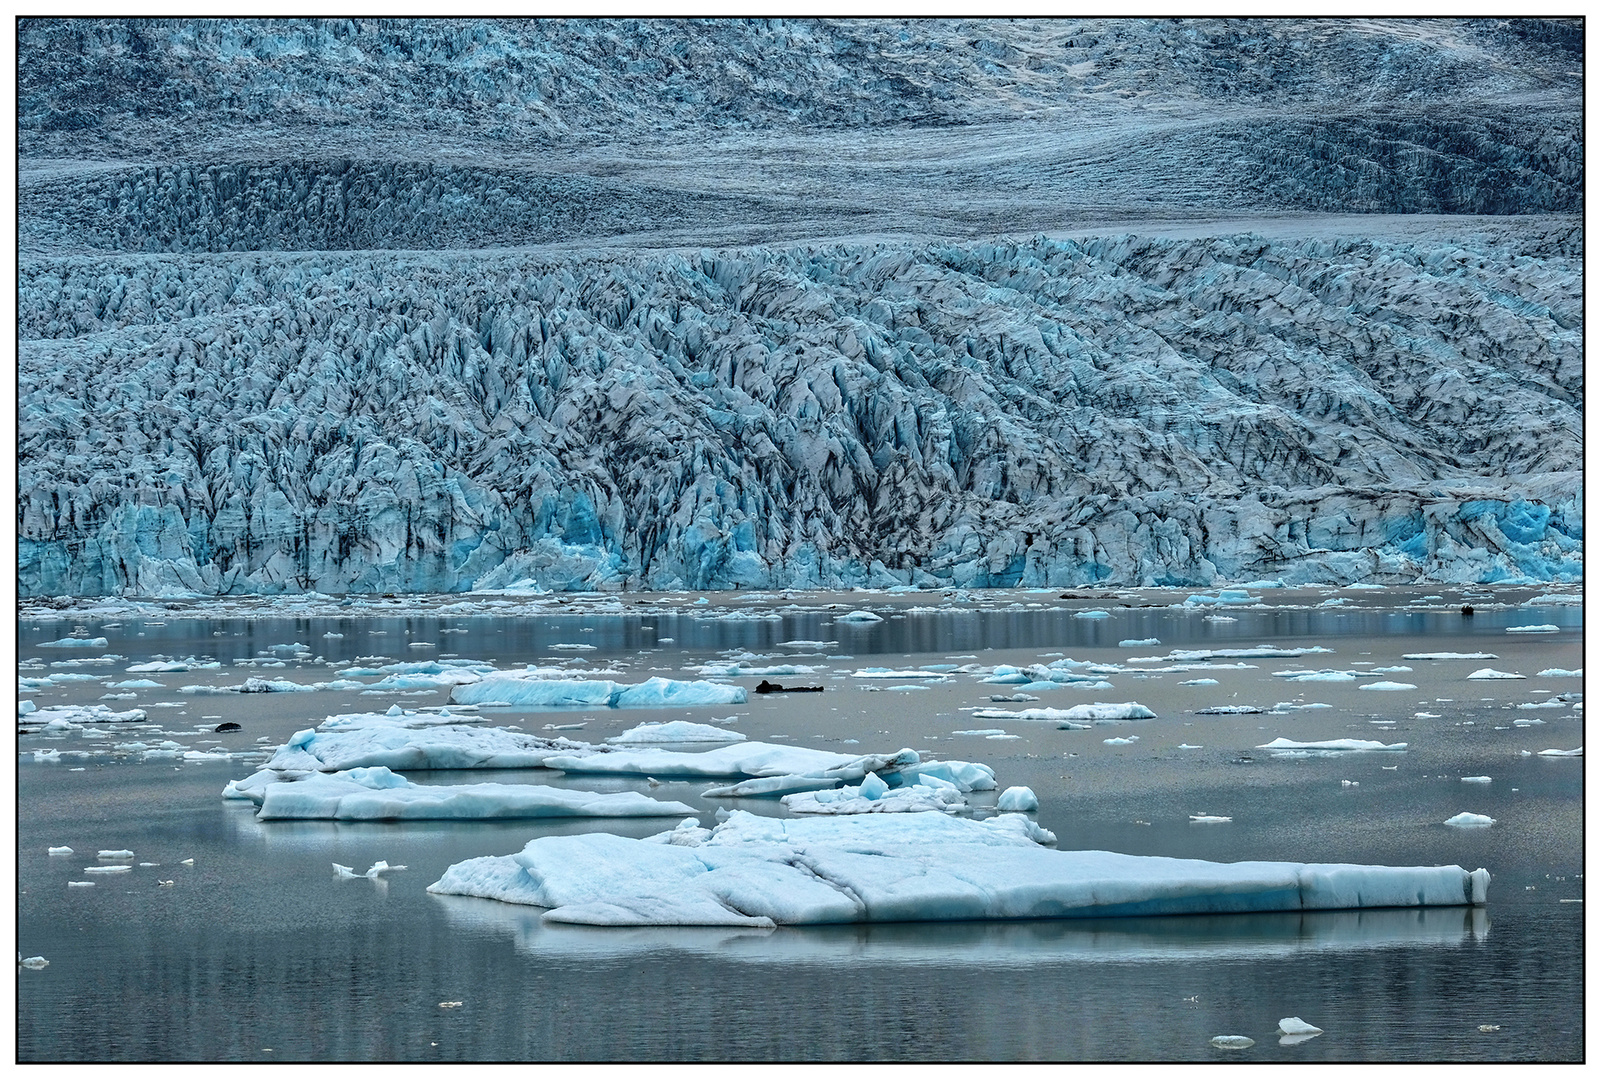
<point>1103,409</point>
<point>433,305</point>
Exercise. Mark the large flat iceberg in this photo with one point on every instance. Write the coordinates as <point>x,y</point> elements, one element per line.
<point>759,871</point>
<point>353,741</point>
<point>541,693</point>
<point>376,794</point>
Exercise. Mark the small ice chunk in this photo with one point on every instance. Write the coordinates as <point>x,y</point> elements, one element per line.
<point>1017,800</point>
<point>1541,628</point>
<point>80,884</point>
<point>107,869</point>
<point>1491,673</point>
<point>1385,684</point>
<point>1208,819</point>
<point>119,853</point>
<point>60,851</point>
<point>859,616</point>
<point>1560,673</point>
<point>1295,1026</point>
<point>1134,643</point>
<point>873,787</point>
<point>1576,752</point>
<point>1121,742</point>
<point>33,963</point>
<point>1199,682</point>
<point>1233,1042</point>
<point>1467,819</point>
<point>1475,779</point>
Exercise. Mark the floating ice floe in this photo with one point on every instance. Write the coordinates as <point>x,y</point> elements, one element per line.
<point>1559,673</point>
<point>1137,643</point>
<point>158,666</point>
<point>33,963</point>
<point>893,673</point>
<point>859,617</point>
<point>74,643</point>
<point>1114,741</point>
<point>1232,1042</point>
<point>1475,779</point>
<point>1449,656</point>
<point>874,796</point>
<point>1471,820</point>
<point>60,851</point>
<point>1575,752</point>
<point>739,669</point>
<point>1326,675</point>
<point>1330,745</point>
<point>58,719</point>
<point>1229,710</point>
<point>1293,1030</point>
<point>762,871</point>
<point>354,740</point>
<point>1541,628</point>
<point>596,693</point>
<point>1095,614</point>
<point>1097,713</point>
<point>380,867</point>
<point>1199,682</point>
<point>1179,656</point>
<point>1385,684</point>
<point>676,731</point>
<point>1224,596</point>
<point>1491,673</point>
<point>1208,819</point>
<point>1017,800</point>
<point>377,794</point>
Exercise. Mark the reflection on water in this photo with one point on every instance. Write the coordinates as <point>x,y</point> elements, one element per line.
<point>976,944</point>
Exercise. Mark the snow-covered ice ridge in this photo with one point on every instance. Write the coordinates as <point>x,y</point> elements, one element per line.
<point>839,394</point>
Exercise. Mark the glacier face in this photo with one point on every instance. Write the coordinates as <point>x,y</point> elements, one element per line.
<point>650,342</point>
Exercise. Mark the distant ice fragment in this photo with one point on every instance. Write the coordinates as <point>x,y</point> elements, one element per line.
<point>676,731</point>
<point>74,643</point>
<point>33,963</point>
<point>1560,673</point>
<point>1449,656</point>
<point>1134,643</point>
<point>1233,1042</point>
<point>1476,780</point>
<point>1467,819</point>
<point>1541,628</point>
<point>1385,684</point>
<point>1208,819</point>
<point>1491,673</point>
<point>60,851</point>
<point>859,616</point>
<point>1576,752</point>
<point>1338,745</point>
<point>1295,1027</point>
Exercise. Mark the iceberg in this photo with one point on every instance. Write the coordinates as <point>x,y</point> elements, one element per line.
<point>377,794</point>
<point>1097,713</point>
<point>1576,752</point>
<point>1559,673</point>
<point>1331,745</point>
<point>1449,656</point>
<point>356,741</point>
<point>1470,820</point>
<point>74,643</point>
<point>676,731</point>
<point>1385,684</point>
<point>751,759</point>
<point>859,617</point>
<point>1017,800</point>
<point>1491,673</point>
<point>1542,628</point>
<point>853,868</point>
<point>543,693</point>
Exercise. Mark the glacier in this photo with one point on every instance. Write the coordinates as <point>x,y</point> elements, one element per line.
<point>570,306</point>
<point>754,871</point>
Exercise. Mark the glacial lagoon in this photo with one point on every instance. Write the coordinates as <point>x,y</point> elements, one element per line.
<point>259,951</point>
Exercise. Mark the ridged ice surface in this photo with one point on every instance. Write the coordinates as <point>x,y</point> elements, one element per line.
<point>432,307</point>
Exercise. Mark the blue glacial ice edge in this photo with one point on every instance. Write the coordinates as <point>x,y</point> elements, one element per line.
<point>758,871</point>
<point>151,552</point>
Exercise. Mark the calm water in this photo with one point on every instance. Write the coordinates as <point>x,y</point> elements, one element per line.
<point>257,952</point>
